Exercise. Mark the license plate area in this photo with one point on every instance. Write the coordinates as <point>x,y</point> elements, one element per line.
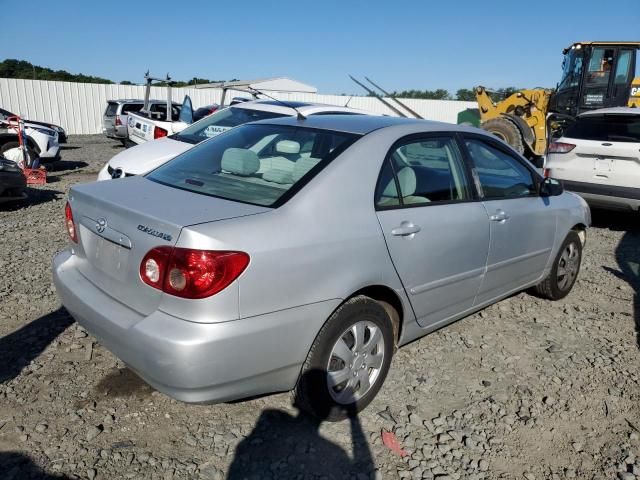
<point>603,165</point>
<point>106,256</point>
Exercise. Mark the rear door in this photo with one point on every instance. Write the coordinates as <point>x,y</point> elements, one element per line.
<point>436,231</point>
<point>109,118</point>
<point>607,151</point>
<point>140,129</point>
<point>522,223</point>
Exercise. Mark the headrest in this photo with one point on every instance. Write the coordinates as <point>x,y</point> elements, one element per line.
<point>406,179</point>
<point>240,161</point>
<point>288,146</point>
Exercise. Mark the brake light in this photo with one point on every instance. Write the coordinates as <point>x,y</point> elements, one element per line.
<point>118,121</point>
<point>71,227</point>
<point>159,132</point>
<point>560,147</point>
<point>189,273</point>
<point>546,173</point>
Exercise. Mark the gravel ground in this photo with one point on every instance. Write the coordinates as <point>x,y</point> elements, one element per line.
<point>524,389</point>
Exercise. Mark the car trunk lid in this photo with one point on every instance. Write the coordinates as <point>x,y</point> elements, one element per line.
<point>118,222</point>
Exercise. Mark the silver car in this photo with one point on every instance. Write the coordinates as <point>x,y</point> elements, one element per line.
<point>298,254</point>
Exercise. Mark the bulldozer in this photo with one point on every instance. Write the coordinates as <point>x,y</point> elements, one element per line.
<point>594,75</point>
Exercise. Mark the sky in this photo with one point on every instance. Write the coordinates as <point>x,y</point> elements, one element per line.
<point>398,44</point>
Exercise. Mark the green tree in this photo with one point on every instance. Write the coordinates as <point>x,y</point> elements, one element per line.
<point>12,68</point>
<point>466,94</point>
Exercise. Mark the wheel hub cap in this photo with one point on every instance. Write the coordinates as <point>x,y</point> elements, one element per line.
<point>355,362</point>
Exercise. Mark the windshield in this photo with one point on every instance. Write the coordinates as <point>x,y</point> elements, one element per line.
<point>606,128</point>
<point>571,69</point>
<point>257,164</point>
<point>222,121</point>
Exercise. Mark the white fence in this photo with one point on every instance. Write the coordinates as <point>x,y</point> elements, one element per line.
<point>78,107</point>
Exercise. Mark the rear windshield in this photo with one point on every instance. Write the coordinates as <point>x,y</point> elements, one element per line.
<point>222,121</point>
<point>607,128</point>
<point>112,108</point>
<point>131,107</point>
<point>257,164</point>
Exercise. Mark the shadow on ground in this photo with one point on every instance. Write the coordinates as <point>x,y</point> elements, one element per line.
<point>17,466</point>
<point>62,165</point>
<point>20,348</point>
<point>35,196</point>
<point>283,446</point>
<point>123,382</point>
<point>627,253</point>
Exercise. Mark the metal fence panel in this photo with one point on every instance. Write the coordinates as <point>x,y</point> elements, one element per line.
<point>78,107</point>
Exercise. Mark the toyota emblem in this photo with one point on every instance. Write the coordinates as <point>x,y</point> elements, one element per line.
<point>101,224</point>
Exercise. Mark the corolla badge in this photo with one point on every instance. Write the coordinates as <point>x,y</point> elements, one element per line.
<point>101,224</point>
<point>154,233</point>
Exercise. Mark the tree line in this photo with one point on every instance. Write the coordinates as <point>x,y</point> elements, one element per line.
<point>12,68</point>
<point>463,94</point>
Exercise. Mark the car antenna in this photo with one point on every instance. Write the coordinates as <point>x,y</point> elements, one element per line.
<point>300,115</point>
<point>347,104</point>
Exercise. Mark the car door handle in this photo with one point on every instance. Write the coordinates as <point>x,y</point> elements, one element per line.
<point>499,216</point>
<point>405,229</point>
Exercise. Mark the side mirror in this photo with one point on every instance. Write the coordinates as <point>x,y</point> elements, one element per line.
<point>550,187</point>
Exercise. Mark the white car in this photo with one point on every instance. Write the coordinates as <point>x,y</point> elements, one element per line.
<point>143,158</point>
<point>42,142</point>
<point>598,157</point>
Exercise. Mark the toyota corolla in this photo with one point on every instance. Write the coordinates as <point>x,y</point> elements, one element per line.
<point>295,246</point>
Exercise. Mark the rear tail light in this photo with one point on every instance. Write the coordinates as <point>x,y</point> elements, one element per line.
<point>546,173</point>
<point>118,121</point>
<point>189,273</point>
<point>159,132</point>
<point>560,147</point>
<point>71,226</point>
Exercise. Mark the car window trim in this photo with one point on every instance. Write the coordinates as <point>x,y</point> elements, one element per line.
<point>417,136</point>
<point>507,150</point>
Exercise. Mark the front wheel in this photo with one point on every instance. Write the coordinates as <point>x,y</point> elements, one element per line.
<point>348,361</point>
<point>564,271</point>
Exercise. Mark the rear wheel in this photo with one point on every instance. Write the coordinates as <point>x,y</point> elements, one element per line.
<point>564,271</point>
<point>348,361</point>
<point>505,130</point>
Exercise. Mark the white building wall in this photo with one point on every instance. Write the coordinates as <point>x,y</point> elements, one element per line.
<point>78,107</point>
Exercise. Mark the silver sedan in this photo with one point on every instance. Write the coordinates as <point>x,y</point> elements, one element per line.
<point>297,254</point>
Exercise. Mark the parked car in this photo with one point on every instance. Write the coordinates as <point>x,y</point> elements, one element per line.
<point>12,181</point>
<point>143,126</point>
<point>202,112</point>
<point>62,135</point>
<point>297,254</point>
<point>116,116</point>
<point>146,157</point>
<point>42,142</point>
<point>598,157</point>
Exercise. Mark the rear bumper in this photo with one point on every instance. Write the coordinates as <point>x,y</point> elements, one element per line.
<point>195,362</point>
<point>15,182</point>
<point>608,196</point>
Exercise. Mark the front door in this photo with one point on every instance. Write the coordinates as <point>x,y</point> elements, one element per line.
<point>436,231</point>
<point>523,224</point>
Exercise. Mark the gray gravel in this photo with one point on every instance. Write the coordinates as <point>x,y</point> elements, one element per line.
<point>524,389</point>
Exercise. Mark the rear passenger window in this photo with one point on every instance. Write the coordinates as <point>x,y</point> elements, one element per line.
<point>421,172</point>
<point>129,107</point>
<point>501,175</point>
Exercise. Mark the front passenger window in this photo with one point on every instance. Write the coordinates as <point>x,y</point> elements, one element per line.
<point>421,172</point>
<point>500,174</point>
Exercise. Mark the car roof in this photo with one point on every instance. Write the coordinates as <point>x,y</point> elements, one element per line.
<point>612,111</point>
<point>289,108</point>
<point>137,100</point>
<point>359,124</point>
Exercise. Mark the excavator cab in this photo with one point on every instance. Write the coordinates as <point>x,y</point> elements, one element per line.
<point>597,75</point>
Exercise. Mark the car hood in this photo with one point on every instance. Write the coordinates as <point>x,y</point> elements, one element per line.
<point>143,158</point>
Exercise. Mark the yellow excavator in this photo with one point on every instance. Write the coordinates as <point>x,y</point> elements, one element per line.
<point>594,75</point>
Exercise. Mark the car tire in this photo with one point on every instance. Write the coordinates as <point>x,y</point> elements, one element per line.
<point>363,367</point>
<point>564,271</point>
<point>9,145</point>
